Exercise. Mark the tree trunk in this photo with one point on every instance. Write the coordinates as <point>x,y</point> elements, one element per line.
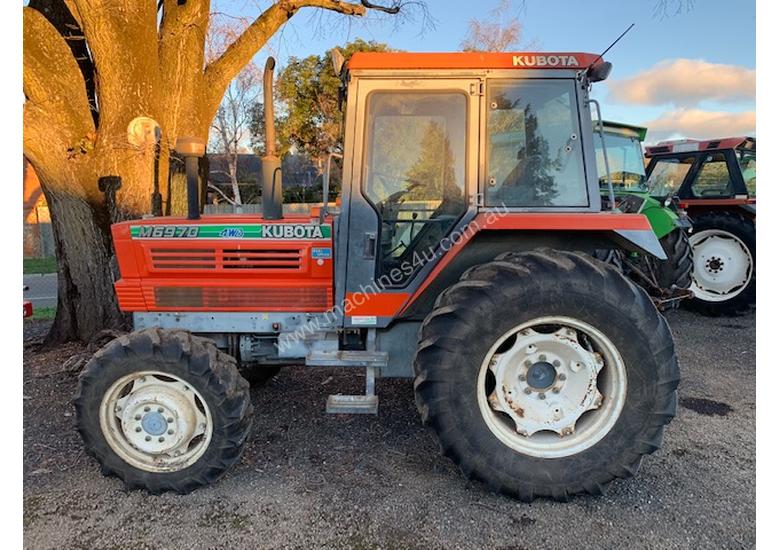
<point>86,302</point>
<point>233,164</point>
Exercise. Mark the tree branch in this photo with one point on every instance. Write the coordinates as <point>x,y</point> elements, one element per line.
<point>224,196</point>
<point>222,70</point>
<point>52,80</point>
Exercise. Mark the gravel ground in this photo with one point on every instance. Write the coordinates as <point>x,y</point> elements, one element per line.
<point>308,479</point>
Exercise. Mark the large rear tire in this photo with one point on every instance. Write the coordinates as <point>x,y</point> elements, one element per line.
<point>163,410</point>
<point>546,374</point>
<point>724,272</point>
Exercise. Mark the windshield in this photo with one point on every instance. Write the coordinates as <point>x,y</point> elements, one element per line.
<point>668,174</point>
<point>626,163</point>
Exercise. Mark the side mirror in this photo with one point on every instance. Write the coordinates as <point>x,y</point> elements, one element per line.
<point>599,71</point>
<point>337,60</point>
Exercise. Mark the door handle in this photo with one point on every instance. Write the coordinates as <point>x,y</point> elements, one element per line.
<point>369,246</point>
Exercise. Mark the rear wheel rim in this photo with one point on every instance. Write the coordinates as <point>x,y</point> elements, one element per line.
<point>155,421</point>
<point>552,387</point>
<point>723,265</point>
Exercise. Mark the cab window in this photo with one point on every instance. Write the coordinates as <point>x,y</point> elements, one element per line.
<point>626,163</point>
<point>414,173</point>
<point>534,150</point>
<point>668,175</point>
<point>713,179</point>
<point>747,164</point>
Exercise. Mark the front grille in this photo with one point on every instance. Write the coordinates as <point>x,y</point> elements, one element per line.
<point>227,298</point>
<point>175,258</point>
<point>261,259</point>
<point>254,258</point>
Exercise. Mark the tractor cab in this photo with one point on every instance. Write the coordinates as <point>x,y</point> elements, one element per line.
<point>703,171</point>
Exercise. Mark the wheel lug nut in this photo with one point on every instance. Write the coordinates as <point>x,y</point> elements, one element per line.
<point>527,363</point>
<point>148,438</point>
<point>556,363</point>
<point>527,391</point>
<point>542,357</point>
<point>561,376</point>
<point>169,420</point>
<point>161,439</point>
<point>138,417</point>
<point>542,396</point>
<point>170,432</point>
<point>159,409</point>
<point>522,378</point>
<point>147,409</point>
<point>556,390</point>
<point>138,429</point>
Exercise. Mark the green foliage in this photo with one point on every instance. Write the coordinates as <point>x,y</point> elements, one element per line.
<point>308,90</point>
<point>43,313</point>
<point>40,265</point>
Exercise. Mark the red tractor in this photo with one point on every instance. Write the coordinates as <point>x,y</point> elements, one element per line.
<point>715,182</point>
<point>461,256</point>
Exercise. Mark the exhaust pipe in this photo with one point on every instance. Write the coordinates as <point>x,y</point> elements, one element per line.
<point>191,148</point>
<point>271,166</point>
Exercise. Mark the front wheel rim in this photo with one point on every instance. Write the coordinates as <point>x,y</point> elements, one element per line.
<point>155,421</point>
<point>723,265</point>
<point>552,387</point>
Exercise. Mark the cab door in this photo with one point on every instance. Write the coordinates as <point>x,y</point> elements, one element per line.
<point>413,181</point>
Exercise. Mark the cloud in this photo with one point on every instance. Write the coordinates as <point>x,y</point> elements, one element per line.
<point>698,124</point>
<point>686,82</point>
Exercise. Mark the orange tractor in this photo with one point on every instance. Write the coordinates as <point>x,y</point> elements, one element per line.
<point>461,256</point>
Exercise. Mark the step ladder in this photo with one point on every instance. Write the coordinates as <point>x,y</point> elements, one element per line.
<point>352,404</point>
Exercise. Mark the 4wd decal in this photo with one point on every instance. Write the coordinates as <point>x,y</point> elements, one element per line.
<point>270,231</point>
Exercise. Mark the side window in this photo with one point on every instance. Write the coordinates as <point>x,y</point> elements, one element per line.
<point>713,179</point>
<point>414,173</point>
<point>668,175</point>
<point>534,150</point>
<point>747,163</point>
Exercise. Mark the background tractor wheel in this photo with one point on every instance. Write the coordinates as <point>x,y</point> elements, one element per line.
<point>546,374</point>
<point>163,410</point>
<point>677,270</point>
<point>724,258</point>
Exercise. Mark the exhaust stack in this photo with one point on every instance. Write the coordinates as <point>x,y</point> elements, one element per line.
<point>191,148</point>
<point>271,166</point>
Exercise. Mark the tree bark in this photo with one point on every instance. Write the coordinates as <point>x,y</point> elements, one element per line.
<point>86,302</point>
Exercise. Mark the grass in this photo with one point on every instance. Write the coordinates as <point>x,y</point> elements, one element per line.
<point>40,265</point>
<point>43,313</point>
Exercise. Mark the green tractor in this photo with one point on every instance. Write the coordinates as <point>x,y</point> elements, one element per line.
<point>624,187</point>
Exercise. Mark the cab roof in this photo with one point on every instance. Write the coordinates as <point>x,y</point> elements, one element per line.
<point>688,145</point>
<point>472,60</point>
<point>639,132</point>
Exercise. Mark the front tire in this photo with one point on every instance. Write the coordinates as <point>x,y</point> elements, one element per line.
<point>724,272</point>
<point>163,410</point>
<point>505,334</point>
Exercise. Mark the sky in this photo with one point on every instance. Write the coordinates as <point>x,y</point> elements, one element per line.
<point>687,74</point>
